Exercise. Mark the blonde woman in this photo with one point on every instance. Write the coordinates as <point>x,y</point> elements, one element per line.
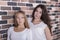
<point>20,31</point>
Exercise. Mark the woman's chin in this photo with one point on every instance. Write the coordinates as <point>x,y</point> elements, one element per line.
<point>37,18</point>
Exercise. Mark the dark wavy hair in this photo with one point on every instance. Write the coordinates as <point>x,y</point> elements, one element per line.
<point>45,17</point>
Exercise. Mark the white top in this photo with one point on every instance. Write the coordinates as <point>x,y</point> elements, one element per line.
<point>23,35</point>
<point>38,30</point>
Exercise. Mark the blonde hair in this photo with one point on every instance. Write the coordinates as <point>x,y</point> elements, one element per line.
<point>15,21</point>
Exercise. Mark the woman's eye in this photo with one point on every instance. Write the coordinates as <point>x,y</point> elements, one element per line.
<point>40,12</point>
<point>36,11</point>
<point>22,17</point>
<point>19,17</point>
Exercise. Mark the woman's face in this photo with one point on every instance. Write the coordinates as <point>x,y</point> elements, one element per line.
<point>38,13</point>
<point>20,19</point>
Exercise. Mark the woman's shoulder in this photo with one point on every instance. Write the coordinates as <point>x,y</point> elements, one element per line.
<point>44,25</point>
<point>28,29</point>
<point>10,28</point>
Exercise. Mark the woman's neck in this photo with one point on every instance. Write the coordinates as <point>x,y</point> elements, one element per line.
<point>36,21</point>
<point>19,28</point>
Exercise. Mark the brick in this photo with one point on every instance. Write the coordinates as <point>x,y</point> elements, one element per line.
<point>58,0</point>
<point>55,33</point>
<point>10,21</point>
<point>3,13</point>
<point>29,16</point>
<point>52,17</point>
<point>47,0</point>
<point>5,8</point>
<point>5,0</point>
<point>53,21</point>
<point>49,8</point>
<point>7,17</point>
<point>3,22</point>
<point>58,16</point>
<point>3,3</point>
<point>56,21</point>
<point>48,4</point>
<point>24,1</point>
<point>16,8</point>
<point>28,12</point>
<point>55,36</point>
<point>34,4</point>
<point>58,25</point>
<point>3,31</point>
<point>58,5</point>
<point>53,14</point>
<point>21,4</point>
<point>6,26</point>
<point>0,17</point>
<point>10,13</point>
<point>15,0</point>
<point>29,5</point>
<point>55,0</point>
<point>38,1</point>
<point>0,27</point>
<point>32,1</point>
<point>55,11</point>
<point>43,1</point>
<point>24,8</point>
<point>52,6</point>
<point>4,36</point>
<point>31,8</point>
<point>12,3</point>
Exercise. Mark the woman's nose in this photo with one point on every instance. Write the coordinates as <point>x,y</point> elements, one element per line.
<point>19,18</point>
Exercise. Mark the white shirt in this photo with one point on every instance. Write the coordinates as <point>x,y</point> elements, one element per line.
<point>38,30</point>
<point>23,35</point>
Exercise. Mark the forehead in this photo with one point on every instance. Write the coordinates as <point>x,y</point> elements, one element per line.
<point>39,9</point>
<point>19,14</point>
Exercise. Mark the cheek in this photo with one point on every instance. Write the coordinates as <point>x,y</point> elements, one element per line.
<point>35,14</point>
<point>23,20</point>
<point>17,20</point>
<point>39,14</point>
